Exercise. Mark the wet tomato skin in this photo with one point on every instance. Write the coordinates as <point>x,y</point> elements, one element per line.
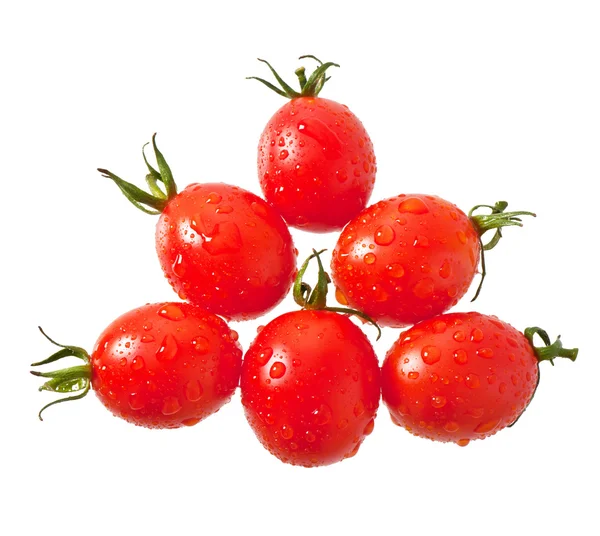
<point>406,258</point>
<point>310,387</point>
<point>459,377</point>
<point>226,250</point>
<point>166,365</point>
<point>316,164</point>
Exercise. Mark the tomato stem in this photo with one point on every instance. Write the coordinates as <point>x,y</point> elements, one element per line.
<point>310,87</point>
<point>155,201</point>
<point>75,379</point>
<point>495,220</point>
<point>316,299</point>
<point>549,351</point>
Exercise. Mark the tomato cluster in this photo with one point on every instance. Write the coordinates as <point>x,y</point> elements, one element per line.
<point>311,382</point>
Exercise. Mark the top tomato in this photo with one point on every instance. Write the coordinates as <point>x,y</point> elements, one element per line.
<point>220,247</point>
<point>316,163</point>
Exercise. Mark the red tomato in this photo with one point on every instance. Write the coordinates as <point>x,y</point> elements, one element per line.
<point>410,257</point>
<point>316,163</point>
<point>310,387</point>
<point>462,376</point>
<point>220,247</point>
<point>162,365</point>
<point>225,249</point>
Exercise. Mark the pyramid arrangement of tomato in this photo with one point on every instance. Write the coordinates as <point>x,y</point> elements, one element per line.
<point>310,381</point>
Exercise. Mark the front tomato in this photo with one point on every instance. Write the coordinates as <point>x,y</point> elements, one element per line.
<point>310,387</point>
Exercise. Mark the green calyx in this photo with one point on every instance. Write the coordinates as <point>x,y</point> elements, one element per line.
<point>316,299</point>
<point>309,87</point>
<point>496,220</point>
<point>154,201</point>
<point>549,351</point>
<point>75,379</point>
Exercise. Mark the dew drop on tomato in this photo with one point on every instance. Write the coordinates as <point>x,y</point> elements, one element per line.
<point>413,205</point>
<point>193,390</point>
<point>171,405</point>
<point>168,349</point>
<point>322,415</point>
<point>171,311</point>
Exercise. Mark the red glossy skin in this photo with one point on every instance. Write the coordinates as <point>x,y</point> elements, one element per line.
<point>458,377</point>
<point>225,249</point>
<point>316,164</point>
<point>310,387</point>
<point>406,259</point>
<point>166,365</point>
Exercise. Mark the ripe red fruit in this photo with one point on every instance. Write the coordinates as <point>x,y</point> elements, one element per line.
<point>463,376</point>
<point>163,365</point>
<point>220,246</point>
<point>316,162</point>
<point>410,257</point>
<point>310,383</point>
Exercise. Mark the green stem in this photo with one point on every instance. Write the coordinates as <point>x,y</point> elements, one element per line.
<point>75,379</point>
<point>316,299</point>
<point>496,220</point>
<point>310,87</point>
<point>156,200</point>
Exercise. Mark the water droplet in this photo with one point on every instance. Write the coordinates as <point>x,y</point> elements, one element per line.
<point>123,361</point>
<point>340,297</point>
<point>414,205</point>
<point>445,270</point>
<point>460,356</point>
<point>343,423</point>
<point>472,381</point>
<point>512,342</point>
<point>310,437</point>
<point>322,416</point>
<point>476,413</point>
<point>277,370</point>
<point>438,401</point>
<point>225,238</point>
<point>369,427</point>
<point>487,426</point>
<point>147,338</point>
<point>190,422</point>
<point>193,390</point>
<point>451,426</point>
<point>359,408</point>
<point>147,326</point>
<point>258,208</point>
<point>459,336</point>
<point>502,388</point>
<point>342,175</point>
<point>486,353</point>
<point>296,362</point>
<point>366,166</point>
<point>283,154</point>
<point>476,335</point>
<point>178,267</point>
<point>234,335</point>
<point>463,442</point>
<point>225,209</point>
<point>384,235</point>
<point>395,270</point>
<point>168,349</point>
<point>287,432</point>
<point>413,375</point>
<point>462,237</point>
<point>136,401</point>
<point>137,363</point>
<point>379,294</point>
<point>171,405</point>
<point>430,354</point>
<point>421,241</point>
<point>439,326</point>
<point>214,198</point>
<point>171,312</point>
<point>369,258</point>
<point>514,379</point>
<point>201,344</point>
<point>424,288</point>
<point>264,356</point>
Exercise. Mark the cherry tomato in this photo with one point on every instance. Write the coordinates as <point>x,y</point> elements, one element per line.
<point>410,257</point>
<point>463,376</point>
<point>220,247</point>
<point>316,162</point>
<point>163,365</point>
<point>310,387</point>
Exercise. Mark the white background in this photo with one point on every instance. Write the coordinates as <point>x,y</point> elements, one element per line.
<point>473,101</point>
